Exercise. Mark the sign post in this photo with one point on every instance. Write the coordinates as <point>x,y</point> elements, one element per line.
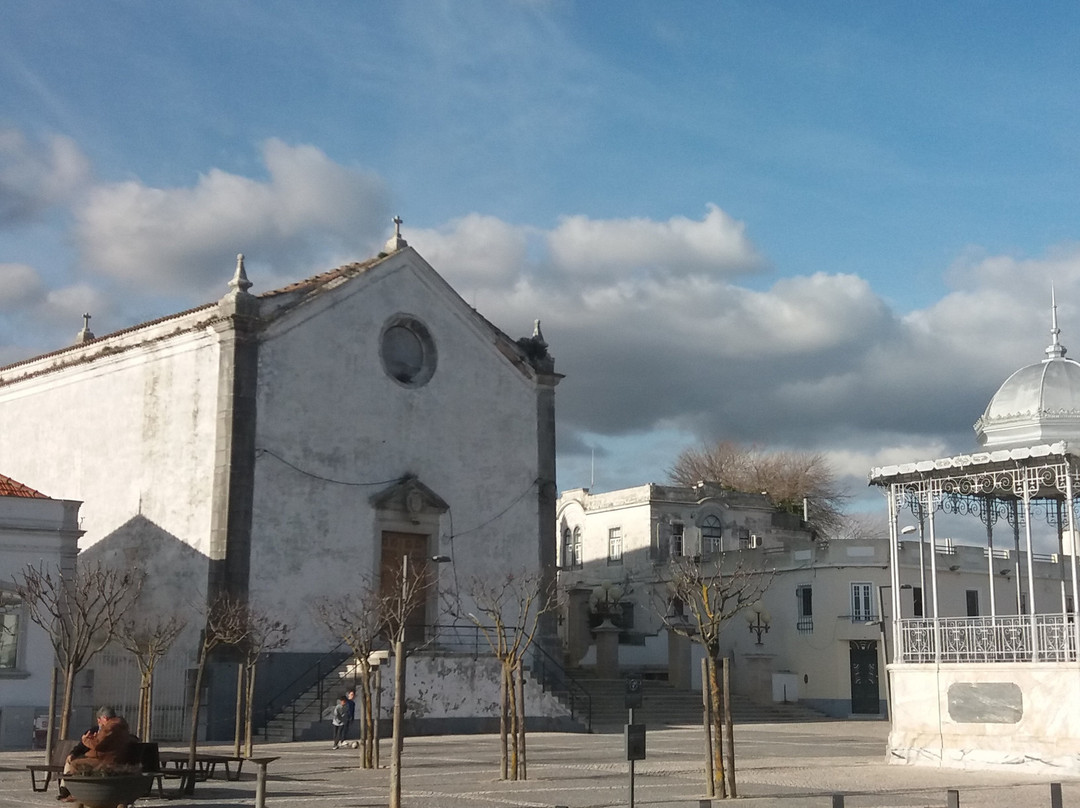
<point>634,733</point>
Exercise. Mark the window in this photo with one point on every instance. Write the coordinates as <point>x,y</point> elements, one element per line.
<point>916,601</point>
<point>744,538</point>
<point>10,612</point>
<point>677,531</point>
<point>572,548</point>
<point>711,535</point>
<point>861,609</point>
<point>972,597</point>
<point>804,604</point>
<point>614,545</point>
<point>407,351</point>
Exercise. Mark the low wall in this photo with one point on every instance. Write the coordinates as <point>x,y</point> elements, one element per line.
<point>986,716</point>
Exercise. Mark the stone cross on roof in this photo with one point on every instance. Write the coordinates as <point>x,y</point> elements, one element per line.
<point>86,334</point>
<point>396,242</point>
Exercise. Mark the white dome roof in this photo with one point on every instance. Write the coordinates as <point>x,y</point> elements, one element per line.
<point>1038,404</point>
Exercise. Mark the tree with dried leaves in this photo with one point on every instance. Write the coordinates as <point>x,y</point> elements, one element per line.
<point>148,638</point>
<point>263,635</point>
<point>508,612</point>
<point>359,619</point>
<point>696,603</point>
<point>788,478</point>
<point>80,611</point>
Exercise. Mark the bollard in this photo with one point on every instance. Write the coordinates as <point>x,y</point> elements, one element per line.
<point>837,801</point>
<point>952,798</point>
<point>1055,795</point>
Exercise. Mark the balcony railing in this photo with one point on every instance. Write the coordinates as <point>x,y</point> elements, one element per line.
<point>1013,638</point>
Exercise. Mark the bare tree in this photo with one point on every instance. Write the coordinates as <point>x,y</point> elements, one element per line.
<point>788,478</point>
<point>148,638</point>
<point>80,612</point>
<point>508,612</point>
<point>359,619</point>
<point>226,625</point>
<point>400,603</point>
<point>263,634</point>
<point>700,599</point>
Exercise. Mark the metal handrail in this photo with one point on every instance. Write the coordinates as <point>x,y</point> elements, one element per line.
<point>290,695</point>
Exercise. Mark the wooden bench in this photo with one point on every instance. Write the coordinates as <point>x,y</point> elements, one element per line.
<point>60,751</point>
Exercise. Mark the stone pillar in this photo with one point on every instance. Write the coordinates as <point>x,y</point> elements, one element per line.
<point>679,673</point>
<point>578,635</point>
<point>758,682</point>
<point>607,650</point>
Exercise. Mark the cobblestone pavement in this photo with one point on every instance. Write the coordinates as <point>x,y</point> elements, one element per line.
<point>779,765</point>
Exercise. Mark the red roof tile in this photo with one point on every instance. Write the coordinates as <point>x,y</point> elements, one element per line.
<point>11,488</point>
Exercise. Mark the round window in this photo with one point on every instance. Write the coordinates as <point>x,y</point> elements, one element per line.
<point>407,350</point>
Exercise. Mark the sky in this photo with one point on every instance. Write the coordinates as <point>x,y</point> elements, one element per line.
<point>828,227</point>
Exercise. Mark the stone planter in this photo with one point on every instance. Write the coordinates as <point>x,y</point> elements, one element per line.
<point>108,791</point>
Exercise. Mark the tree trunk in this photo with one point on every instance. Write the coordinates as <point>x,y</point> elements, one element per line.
<point>249,700</point>
<point>196,699</point>
<point>729,727</point>
<point>706,720</point>
<point>65,706</point>
<point>50,731</point>
<point>366,722</point>
<point>399,719</point>
<point>716,708</point>
<point>378,714</point>
<point>238,717</point>
<point>504,704</point>
<point>521,717</point>
<point>512,711</point>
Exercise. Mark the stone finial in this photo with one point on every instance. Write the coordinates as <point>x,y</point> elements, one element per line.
<point>395,242</point>
<point>86,334</point>
<point>538,337</point>
<point>239,284</point>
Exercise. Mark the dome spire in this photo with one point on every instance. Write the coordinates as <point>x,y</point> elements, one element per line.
<point>1055,350</point>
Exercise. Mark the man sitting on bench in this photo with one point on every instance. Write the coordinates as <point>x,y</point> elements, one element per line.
<point>106,744</point>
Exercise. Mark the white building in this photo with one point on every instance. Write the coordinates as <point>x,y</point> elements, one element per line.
<point>40,532</point>
<point>278,446</point>
<point>990,679</point>
<point>817,637</point>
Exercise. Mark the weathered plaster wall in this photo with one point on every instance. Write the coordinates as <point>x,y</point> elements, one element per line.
<point>36,532</point>
<point>326,405</point>
<point>130,435</point>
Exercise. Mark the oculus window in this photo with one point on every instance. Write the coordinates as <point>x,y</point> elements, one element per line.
<point>407,351</point>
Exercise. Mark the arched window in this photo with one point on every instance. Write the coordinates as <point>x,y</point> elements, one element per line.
<point>711,533</point>
<point>572,548</point>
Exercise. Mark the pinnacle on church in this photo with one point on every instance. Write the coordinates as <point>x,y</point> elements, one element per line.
<point>239,284</point>
<point>1055,350</point>
<point>86,334</point>
<point>538,337</point>
<point>395,242</point>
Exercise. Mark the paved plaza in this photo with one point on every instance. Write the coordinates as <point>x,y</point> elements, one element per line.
<point>786,765</point>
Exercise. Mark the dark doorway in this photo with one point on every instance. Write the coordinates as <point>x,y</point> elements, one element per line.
<point>865,698</point>
<point>395,547</point>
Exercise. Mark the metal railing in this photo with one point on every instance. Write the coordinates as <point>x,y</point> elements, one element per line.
<point>457,639</point>
<point>1013,638</point>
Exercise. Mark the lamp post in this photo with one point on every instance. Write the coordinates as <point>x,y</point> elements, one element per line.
<point>759,621</point>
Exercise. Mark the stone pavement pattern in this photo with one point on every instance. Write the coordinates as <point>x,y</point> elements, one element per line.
<point>789,765</point>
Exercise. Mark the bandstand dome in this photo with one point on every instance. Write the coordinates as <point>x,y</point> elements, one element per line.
<point>1038,404</point>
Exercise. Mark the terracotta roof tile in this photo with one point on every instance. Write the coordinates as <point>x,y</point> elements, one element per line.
<point>11,488</point>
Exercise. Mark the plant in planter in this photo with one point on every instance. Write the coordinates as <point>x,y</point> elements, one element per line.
<point>107,786</point>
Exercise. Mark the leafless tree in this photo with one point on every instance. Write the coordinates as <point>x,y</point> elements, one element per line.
<point>263,634</point>
<point>226,625</point>
<point>700,598</point>
<point>359,619</point>
<point>148,638</point>
<point>80,611</point>
<point>788,478</point>
<point>508,612</point>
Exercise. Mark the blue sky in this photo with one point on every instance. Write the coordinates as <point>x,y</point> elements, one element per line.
<point>828,226</point>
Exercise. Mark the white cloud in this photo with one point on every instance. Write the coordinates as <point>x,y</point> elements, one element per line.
<point>37,176</point>
<point>187,238</point>
<point>600,249</point>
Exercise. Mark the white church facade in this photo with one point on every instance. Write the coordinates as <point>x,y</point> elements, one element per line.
<point>276,447</point>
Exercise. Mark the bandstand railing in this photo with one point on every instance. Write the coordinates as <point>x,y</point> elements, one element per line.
<point>1013,638</point>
